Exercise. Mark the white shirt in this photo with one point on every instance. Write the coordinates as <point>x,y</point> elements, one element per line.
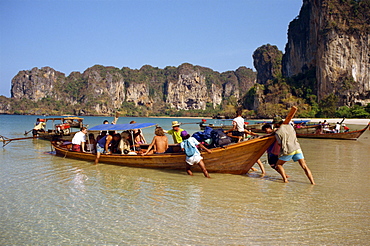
<point>239,122</point>
<point>337,127</point>
<point>79,138</point>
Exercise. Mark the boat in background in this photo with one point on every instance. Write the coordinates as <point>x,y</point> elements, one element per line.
<point>226,124</point>
<point>350,135</point>
<point>61,127</point>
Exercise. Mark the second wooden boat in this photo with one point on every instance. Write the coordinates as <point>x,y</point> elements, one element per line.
<point>351,135</point>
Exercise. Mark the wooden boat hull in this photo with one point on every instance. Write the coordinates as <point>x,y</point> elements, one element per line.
<point>306,128</point>
<point>257,128</point>
<point>233,159</point>
<point>352,135</point>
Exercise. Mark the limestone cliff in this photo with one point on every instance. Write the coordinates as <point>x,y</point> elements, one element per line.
<point>189,91</point>
<point>332,38</point>
<point>5,105</point>
<point>103,90</point>
<point>36,83</point>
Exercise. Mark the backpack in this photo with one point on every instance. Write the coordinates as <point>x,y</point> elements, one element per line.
<point>219,138</point>
<point>202,136</point>
<point>199,136</point>
<point>207,132</point>
<point>188,148</point>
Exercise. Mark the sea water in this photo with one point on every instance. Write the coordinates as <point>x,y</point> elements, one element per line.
<point>50,200</point>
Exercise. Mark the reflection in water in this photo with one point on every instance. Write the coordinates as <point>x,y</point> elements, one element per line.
<point>54,200</point>
<point>79,180</point>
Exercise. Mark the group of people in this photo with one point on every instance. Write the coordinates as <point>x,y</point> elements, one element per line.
<point>285,148</point>
<point>324,127</point>
<point>129,141</point>
<point>187,144</point>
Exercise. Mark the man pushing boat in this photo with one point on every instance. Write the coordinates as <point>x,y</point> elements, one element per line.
<point>290,149</point>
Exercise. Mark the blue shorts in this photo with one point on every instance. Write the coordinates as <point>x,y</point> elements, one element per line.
<point>99,149</point>
<point>295,157</point>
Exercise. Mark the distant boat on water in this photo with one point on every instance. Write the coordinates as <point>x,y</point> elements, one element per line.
<point>350,135</point>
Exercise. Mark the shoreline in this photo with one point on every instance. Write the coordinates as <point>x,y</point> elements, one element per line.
<point>350,121</point>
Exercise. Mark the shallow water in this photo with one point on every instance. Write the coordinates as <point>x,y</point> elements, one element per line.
<point>53,200</point>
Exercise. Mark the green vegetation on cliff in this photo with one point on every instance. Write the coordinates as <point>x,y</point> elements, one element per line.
<point>348,16</point>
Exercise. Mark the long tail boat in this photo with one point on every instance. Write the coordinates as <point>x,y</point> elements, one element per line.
<point>236,158</point>
<point>61,129</point>
<point>351,135</point>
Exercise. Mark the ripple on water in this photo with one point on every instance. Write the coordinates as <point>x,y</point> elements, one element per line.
<point>54,200</point>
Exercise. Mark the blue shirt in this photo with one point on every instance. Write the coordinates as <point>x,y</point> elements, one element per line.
<point>102,141</point>
<point>193,142</point>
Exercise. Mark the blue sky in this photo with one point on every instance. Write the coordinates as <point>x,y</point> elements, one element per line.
<point>73,35</point>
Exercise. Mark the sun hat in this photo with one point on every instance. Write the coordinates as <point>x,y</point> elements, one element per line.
<point>175,123</point>
<point>277,120</point>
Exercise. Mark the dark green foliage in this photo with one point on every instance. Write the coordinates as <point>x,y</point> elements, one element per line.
<point>249,97</point>
<point>328,106</point>
<point>268,62</point>
<point>75,88</point>
<point>353,112</point>
<point>304,84</point>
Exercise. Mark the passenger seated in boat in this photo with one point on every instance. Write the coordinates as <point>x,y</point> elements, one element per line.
<point>39,127</point>
<point>237,132</point>
<point>115,143</point>
<point>159,143</point>
<point>337,128</point>
<point>346,128</point>
<point>124,143</point>
<point>138,135</point>
<point>325,127</point>
<point>91,143</point>
<point>318,129</point>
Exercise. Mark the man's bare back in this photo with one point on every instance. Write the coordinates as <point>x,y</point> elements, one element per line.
<point>160,144</point>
